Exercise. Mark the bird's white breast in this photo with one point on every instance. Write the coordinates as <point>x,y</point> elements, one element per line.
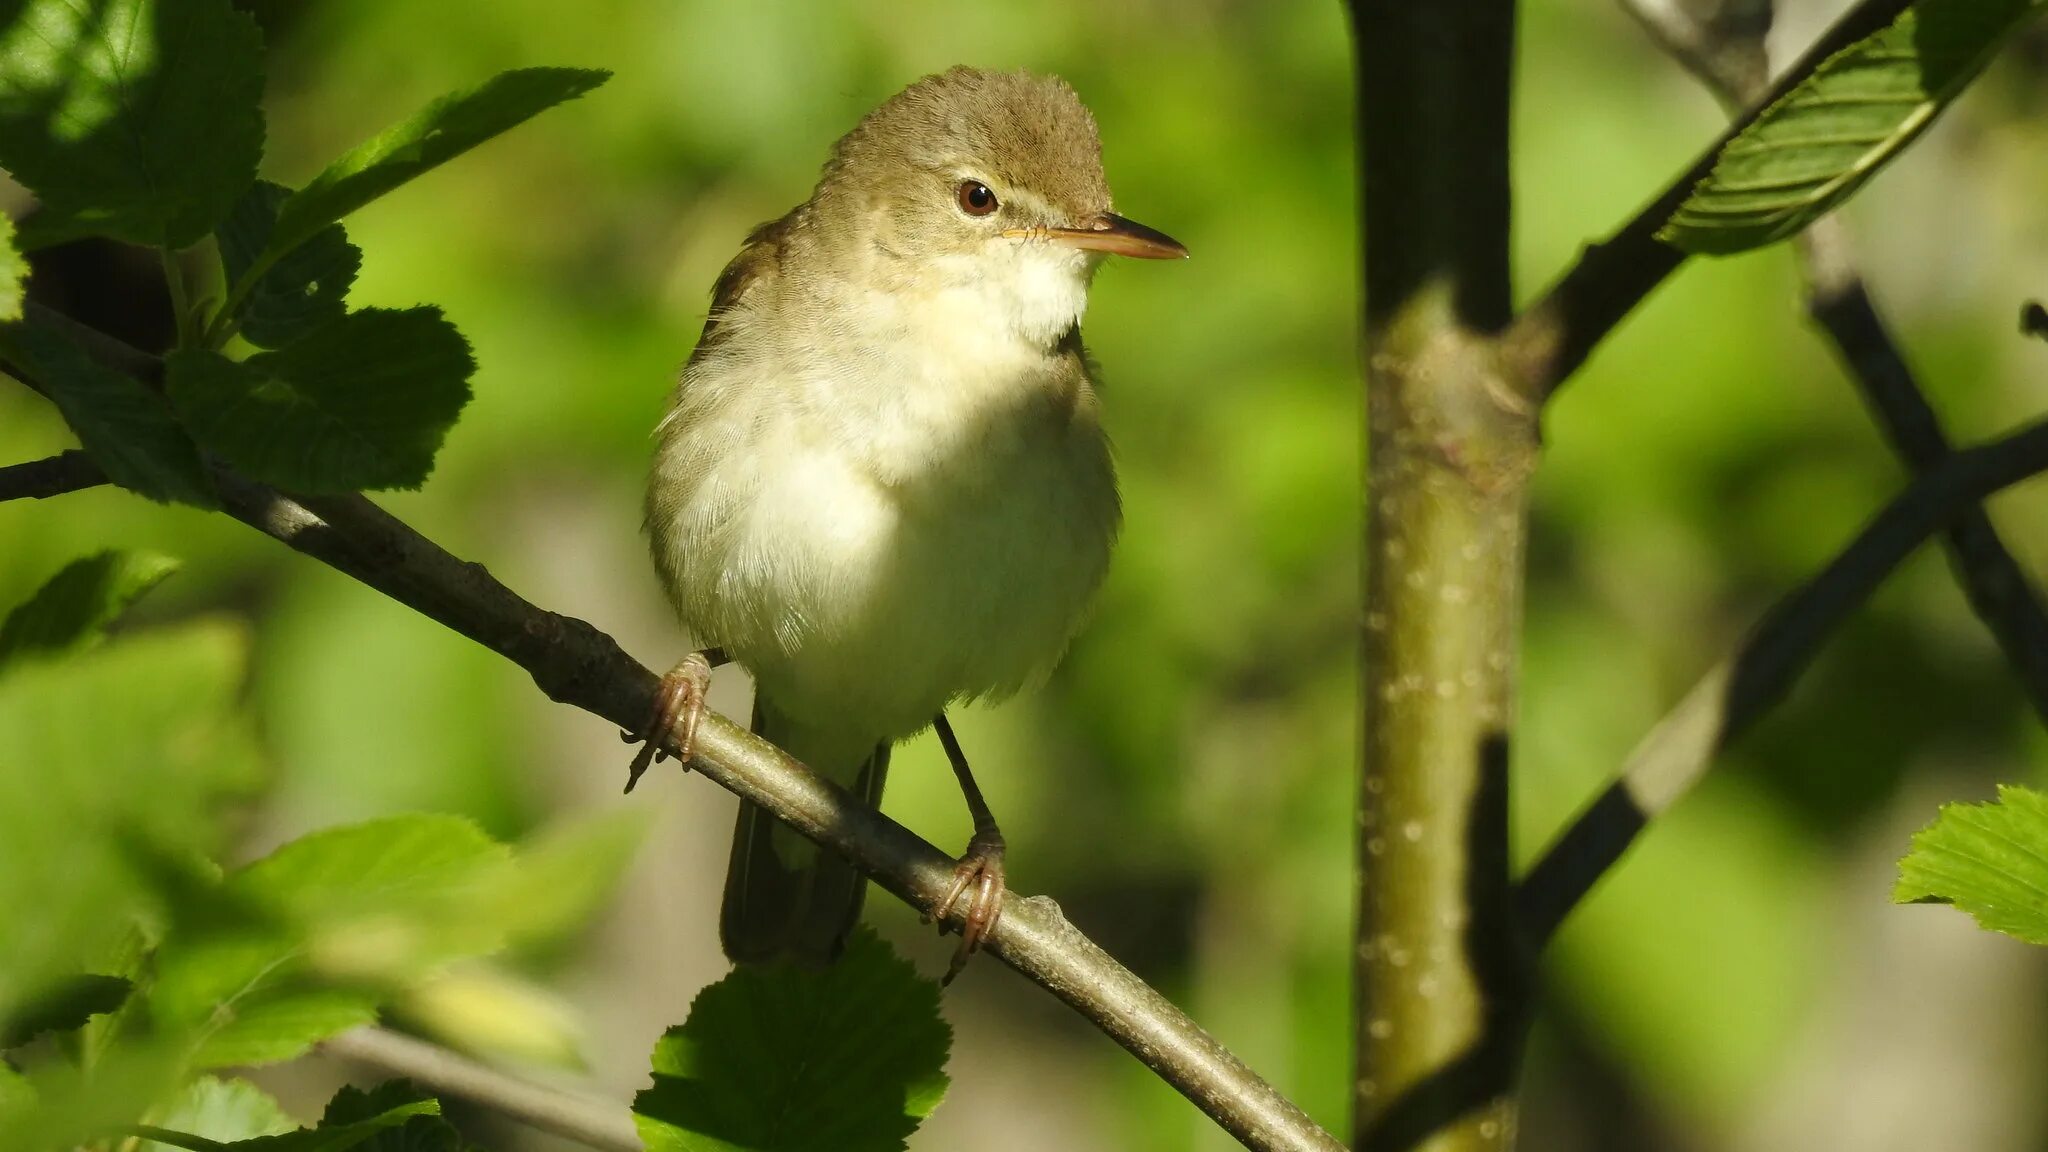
<point>913,506</point>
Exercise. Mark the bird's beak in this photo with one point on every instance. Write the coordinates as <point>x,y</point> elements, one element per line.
<point>1115,235</point>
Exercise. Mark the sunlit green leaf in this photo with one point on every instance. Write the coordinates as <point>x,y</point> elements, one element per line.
<point>73,607</point>
<point>359,402</point>
<point>1818,144</point>
<point>222,1110</point>
<point>136,119</point>
<point>308,287</point>
<point>128,429</point>
<point>329,923</point>
<point>442,131</point>
<point>781,1059</point>
<point>1990,860</point>
<point>13,273</point>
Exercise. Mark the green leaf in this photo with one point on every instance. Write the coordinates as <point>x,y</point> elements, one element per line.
<point>359,402</point>
<point>1813,148</point>
<point>136,119</point>
<point>327,925</point>
<point>76,605</point>
<point>304,289</point>
<point>440,132</point>
<point>62,1006</point>
<point>59,1106</point>
<point>392,1117</point>
<point>220,1110</point>
<point>128,429</point>
<point>13,272</point>
<point>779,1059</point>
<point>1990,860</point>
<point>111,761</point>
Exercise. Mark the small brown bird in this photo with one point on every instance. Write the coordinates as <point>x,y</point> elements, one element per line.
<point>882,485</point>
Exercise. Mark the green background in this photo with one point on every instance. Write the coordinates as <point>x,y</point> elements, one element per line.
<point>1183,784</point>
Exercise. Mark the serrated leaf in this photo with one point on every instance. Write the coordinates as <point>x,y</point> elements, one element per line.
<point>304,289</point>
<point>440,132</point>
<point>329,924</point>
<point>1990,860</point>
<point>1814,147</point>
<point>125,427</point>
<point>220,1110</point>
<point>136,119</point>
<point>13,272</point>
<point>359,402</point>
<point>62,1006</point>
<point>780,1059</point>
<point>73,607</point>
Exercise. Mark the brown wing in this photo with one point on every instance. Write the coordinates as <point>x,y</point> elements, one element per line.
<point>758,256</point>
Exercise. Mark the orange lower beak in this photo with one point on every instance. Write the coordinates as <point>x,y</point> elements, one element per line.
<point>1115,235</point>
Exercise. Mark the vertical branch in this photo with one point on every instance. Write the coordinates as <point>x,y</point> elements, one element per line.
<point>1450,447</point>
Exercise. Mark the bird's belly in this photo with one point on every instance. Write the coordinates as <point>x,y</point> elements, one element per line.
<point>864,605</point>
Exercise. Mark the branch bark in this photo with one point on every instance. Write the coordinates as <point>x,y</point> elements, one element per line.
<point>1722,706</point>
<point>575,663</point>
<point>588,1120</point>
<point>1449,449</point>
<point>53,476</point>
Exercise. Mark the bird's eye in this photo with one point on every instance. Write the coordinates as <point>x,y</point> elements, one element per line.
<point>976,199</point>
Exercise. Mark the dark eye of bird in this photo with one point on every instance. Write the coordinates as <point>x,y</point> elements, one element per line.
<point>976,199</point>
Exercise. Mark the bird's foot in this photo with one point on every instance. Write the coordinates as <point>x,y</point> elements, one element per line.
<point>678,702</point>
<point>978,878</point>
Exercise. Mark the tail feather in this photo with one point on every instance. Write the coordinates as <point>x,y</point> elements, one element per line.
<point>786,898</point>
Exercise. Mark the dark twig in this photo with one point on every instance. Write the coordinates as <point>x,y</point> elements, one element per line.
<point>575,663</point>
<point>53,476</point>
<point>1726,51</point>
<point>1728,699</point>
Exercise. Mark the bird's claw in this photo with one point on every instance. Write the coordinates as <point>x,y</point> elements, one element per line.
<point>979,878</point>
<point>679,702</point>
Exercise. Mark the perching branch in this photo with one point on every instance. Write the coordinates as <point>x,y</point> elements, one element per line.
<point>1721,707</point>
<point>1450,450</point>
<point>575,663</point>
<point>1727,52</point>
<point>1550,339</point>
<point>54,476</point>
<point>588,1120</point>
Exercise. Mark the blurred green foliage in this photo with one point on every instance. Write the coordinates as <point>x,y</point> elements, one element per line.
<point>1183,785</point>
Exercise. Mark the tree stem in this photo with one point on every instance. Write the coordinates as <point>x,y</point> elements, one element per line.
<point>1450,448</point>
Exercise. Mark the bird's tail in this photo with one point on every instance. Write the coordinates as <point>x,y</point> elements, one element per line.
<point>785,897</point>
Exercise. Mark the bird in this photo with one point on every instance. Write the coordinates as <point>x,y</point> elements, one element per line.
<point>882,483</point>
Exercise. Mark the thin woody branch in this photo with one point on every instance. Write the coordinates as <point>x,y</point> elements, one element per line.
<point>574,663</point>
<point>588,1120</point>
<point>1727,52</point>
<point>54,476</point>
<point>1722,706</point>
<point>1553,337</point>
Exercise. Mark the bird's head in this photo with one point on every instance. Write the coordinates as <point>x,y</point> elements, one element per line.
<point>984,182</point>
